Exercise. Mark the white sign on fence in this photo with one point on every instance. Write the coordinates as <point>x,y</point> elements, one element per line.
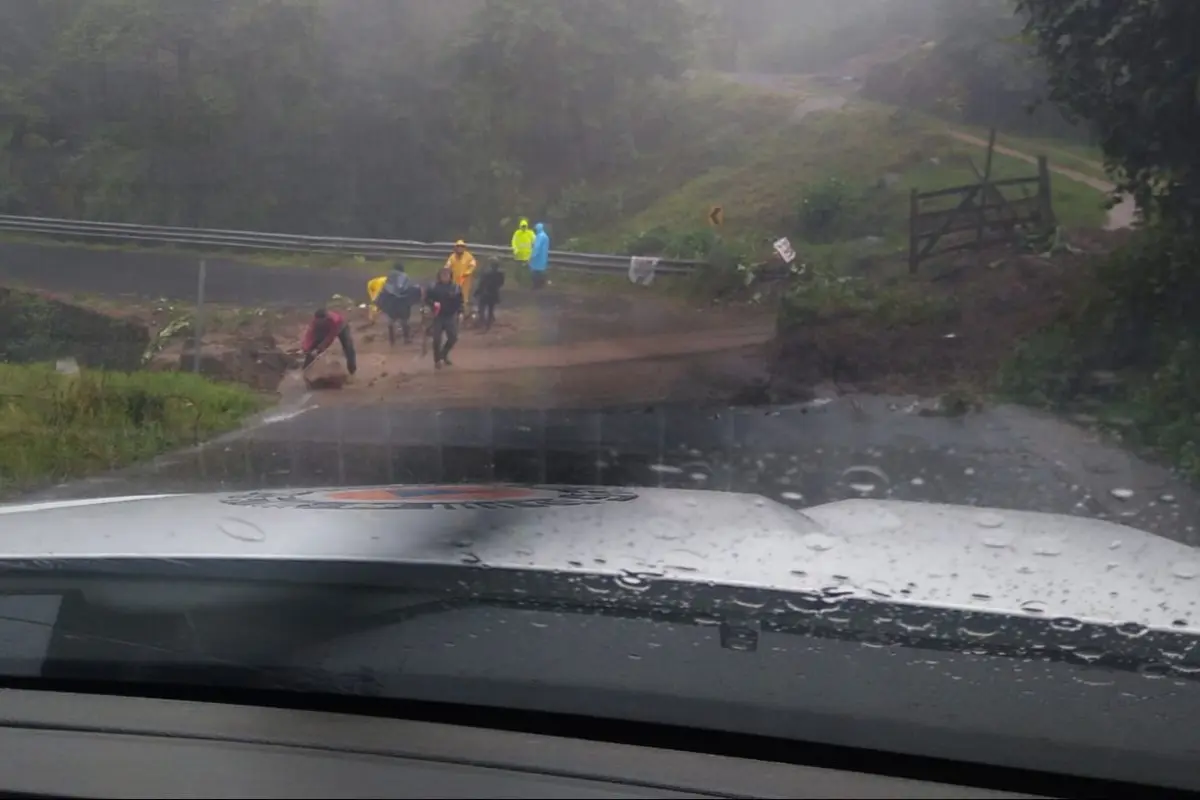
<point>784,248</point>
<point>641,270</point>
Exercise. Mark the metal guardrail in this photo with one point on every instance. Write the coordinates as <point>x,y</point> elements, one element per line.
<point>254,240</point>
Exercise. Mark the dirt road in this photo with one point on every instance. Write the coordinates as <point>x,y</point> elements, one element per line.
<point>698,362</point>
<point>1122,215</point>
<point>812,96</point>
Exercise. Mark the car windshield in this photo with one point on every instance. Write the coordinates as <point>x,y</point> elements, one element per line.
<point>823,371</point>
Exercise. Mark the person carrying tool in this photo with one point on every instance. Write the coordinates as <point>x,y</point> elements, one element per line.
<point>488,292</point>
<point>445,298</point>
<point>396,299</point>
<point>374,287</point>
<point>324,327</point>
<point>522,243</point>
<point>462,265</point>
<point>539,258</point>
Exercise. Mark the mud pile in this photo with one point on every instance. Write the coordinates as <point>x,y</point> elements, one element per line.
<point>257,362</point>
<point>982,307</point>
<point>34,327</point>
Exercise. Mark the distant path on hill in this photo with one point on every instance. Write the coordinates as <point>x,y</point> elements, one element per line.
<point>824,96</point>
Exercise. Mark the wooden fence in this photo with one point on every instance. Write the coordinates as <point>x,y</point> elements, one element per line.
<point>982,214</point>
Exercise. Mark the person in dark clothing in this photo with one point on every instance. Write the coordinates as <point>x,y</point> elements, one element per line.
<point>488,292</point>
<point>396,301</point>
<point>322,330</point>
<point>445,298</point>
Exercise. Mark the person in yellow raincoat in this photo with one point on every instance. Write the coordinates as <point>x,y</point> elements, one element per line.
<point>522,243</point>
<point>462,266</point>
<point>374,287</point>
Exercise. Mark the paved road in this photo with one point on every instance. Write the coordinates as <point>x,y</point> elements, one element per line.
<point>124,273</point>
<point>805,455</point>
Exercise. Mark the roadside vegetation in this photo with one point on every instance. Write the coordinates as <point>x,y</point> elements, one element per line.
<point>55,426</point>
<point>1126,353</point>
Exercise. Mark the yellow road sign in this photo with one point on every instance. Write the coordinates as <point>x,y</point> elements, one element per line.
<point>716,216</point>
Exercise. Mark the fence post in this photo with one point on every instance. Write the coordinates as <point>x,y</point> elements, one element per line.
<point>1045,199</point>
<point>914,207</point>
<point>985,183</point>
<point>199,318</point>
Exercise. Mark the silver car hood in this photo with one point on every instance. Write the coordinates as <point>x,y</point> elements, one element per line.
<point>944,556</point>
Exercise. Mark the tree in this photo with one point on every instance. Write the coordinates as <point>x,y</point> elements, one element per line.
<point>559,82</point>
<point>1130,68</point>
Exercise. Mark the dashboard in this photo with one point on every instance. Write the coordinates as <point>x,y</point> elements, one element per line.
<point>58,744</point>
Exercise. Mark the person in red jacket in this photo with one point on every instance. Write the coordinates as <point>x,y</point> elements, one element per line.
<point>322,330</point>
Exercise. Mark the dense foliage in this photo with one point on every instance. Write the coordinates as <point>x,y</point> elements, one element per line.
<point>1131,70</point>
<point>372,117</point>
<point>976,67</point>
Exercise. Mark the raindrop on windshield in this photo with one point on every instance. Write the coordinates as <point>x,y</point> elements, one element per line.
<point>1066,624</point>
<point>633,580</point>
<point>241,530</point>
<point>989,520</point>
<point>1132,629</point>
<point>1154,669</point>
<point>980,628</point>
<point>1033,607</point>
<point>794,496</point>
<point>997,539</point>
<point>666,469</point>
<point>1185,569</point>
<point>819,542</point>
<point>1122,494</point>
<point>865,478</point>
<point>1047,547</point>
<point>878,588</point>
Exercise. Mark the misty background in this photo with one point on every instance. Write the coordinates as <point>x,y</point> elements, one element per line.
<point>422,119</point>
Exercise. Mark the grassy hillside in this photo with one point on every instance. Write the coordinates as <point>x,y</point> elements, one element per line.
<point>867,156</point>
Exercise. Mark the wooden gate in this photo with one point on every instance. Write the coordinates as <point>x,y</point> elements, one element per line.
<point>978,214</point>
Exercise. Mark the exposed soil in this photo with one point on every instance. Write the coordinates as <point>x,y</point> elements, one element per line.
<point>554,349</point>
<point>35,326</point>
<point>1001,297</point>
<point>694,378</point>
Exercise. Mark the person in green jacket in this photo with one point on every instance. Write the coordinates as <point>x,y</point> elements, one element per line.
<point>522,243</point>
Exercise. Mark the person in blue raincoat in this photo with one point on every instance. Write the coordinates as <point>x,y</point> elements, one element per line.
<point>539,259</point>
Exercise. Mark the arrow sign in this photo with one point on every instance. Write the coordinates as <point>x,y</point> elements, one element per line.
<point>716,215</point>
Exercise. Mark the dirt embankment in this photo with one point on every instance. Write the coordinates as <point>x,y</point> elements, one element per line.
<point>37,327</point>
<point>972,313</point>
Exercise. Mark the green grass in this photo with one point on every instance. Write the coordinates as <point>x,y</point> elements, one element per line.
<point>1072,155</point>
<point>825,294</point>
<point>860,145</point>
<point>54,426</point>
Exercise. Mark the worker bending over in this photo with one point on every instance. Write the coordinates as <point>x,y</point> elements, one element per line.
<point>323,329</point>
